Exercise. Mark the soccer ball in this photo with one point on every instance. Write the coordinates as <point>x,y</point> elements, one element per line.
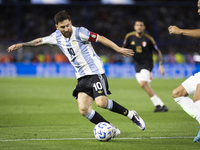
<point>103,131</point>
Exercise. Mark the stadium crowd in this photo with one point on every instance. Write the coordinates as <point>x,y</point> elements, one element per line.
<point>26,22</point>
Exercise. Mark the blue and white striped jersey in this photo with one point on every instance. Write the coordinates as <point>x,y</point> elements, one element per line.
<point>79,50</point>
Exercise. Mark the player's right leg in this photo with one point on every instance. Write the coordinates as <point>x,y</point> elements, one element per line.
<point>189,106</point>
<point>196,100</point>
<point>85,108</point>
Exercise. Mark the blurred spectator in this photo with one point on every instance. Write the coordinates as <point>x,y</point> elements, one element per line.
<point>35,59</point>
<point>179,58</point>
<point>24,22</point>
<point>5,58</point>
<point>104,58</point>
<point>196,58</point>
<point>47,57</point>
<point>60,58</point>
<point>111,59</point>
<point>189,58</point>
<point>28,56</point>
<point>171,57</point>
<point>155,58</point>
<point>127,59</point>
<point>40,57</point>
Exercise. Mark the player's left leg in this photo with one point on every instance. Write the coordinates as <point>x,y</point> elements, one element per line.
<point>144,79</point>
<point>113,106</point>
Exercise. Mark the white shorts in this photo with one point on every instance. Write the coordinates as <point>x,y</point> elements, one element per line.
<point>190,84</point>
<point>143,75</point>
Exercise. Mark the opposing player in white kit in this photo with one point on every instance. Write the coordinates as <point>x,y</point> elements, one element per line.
<point>191,86</point>
<point>75,42</point>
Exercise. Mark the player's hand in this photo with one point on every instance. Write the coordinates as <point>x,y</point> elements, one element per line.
<point>14,47</point>
<point>161,70</point>
<point>126,52</point>
<point>174,30</point>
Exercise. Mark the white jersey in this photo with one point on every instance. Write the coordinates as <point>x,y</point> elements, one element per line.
<point>79,50</point>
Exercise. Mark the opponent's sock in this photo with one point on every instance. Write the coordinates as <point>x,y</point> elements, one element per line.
<point>189,107</point>
<point>115,107</point>
<point>95,117</point>
<point>156,101</point>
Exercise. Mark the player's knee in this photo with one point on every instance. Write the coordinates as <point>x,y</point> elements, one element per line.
<point>178,92</point>
<point>175,93</point>
<point>143,84</point>
<point>195,99</point>
<point>83,111</point>
<point>101,102</point>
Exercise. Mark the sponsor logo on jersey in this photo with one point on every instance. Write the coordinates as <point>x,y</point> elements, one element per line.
<point>100,92</point>
<point>144,44</point>
<point>133,43</point>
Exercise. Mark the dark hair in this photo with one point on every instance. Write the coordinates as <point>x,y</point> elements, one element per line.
<point>61,16</point>
<point>140,20</point>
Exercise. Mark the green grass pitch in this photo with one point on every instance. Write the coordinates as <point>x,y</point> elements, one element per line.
<point>41,114</point>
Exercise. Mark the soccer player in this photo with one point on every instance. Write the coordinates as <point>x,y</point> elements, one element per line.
<point>190,86</point>
<point>143,45</point>
<point>75,43</point>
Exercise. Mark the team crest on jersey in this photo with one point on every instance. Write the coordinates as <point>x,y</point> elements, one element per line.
<point>144,43</point>
<point>133,43</point>
<point>73,42</point>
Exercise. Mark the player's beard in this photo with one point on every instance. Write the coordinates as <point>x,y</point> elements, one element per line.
<point>67,34</point>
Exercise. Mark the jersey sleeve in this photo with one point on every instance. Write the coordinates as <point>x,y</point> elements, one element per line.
<point>126,41</point>
<point>155,47</point>
<point>51,40</point>
<point>86,35</point>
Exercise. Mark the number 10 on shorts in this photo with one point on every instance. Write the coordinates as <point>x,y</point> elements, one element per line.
<point>97,86</point>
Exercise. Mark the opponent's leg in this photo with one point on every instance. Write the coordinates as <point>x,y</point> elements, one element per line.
<point>144,78</point>
<point>157,102</point>
<point>196,100</point>
<point>179,94</point>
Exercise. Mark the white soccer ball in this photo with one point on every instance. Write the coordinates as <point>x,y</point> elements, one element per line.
<point>103,131</point>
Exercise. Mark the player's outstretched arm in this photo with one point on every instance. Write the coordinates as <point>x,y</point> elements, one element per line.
<point>32,43</point>
<point>124,51</point>
<point>195,33</point>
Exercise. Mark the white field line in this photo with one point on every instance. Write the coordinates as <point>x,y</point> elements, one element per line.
<point>67,139</point>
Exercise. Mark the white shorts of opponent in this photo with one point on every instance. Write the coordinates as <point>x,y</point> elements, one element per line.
<point>190,84</point>
<point>143,75</point>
